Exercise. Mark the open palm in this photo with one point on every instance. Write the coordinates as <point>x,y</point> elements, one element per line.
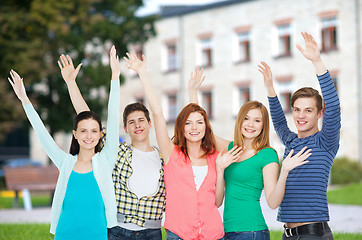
<point>69,73</point>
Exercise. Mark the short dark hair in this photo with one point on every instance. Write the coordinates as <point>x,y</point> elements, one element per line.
<point>74,146</point>
<point>308,92</point>
<point>133,107</point>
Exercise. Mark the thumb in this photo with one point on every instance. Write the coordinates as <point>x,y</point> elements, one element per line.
<point>78,67</point>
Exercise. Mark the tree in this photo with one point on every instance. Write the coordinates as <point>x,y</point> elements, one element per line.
<point>35,32</point>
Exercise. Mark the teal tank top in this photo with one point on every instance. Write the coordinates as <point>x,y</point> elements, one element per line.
<point>83,213</point>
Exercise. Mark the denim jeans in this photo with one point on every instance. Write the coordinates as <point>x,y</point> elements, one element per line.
<point>118,233</point>
<point>249,235</point>
<point>172,236</point>
<point>327,236</point>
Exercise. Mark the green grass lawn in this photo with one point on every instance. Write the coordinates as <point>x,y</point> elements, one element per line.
<point>36,201</point>
<point>41,231</point>
<point>350,194</point>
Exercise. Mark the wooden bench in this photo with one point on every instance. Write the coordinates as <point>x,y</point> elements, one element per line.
<point>30,178</point>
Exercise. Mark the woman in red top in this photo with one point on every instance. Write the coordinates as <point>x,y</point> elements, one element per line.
<point>190,166</point>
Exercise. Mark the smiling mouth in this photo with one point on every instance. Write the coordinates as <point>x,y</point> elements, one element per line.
<point>88,141</point>
<point>301,122</point>
<point>138,131</point>
<point>249,130</point>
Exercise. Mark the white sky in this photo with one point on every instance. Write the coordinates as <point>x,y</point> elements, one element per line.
<point>152,6</point>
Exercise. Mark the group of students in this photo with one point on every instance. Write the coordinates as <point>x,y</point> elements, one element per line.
<point>111,190</point>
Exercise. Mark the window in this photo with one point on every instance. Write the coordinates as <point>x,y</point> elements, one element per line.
<point>172,107</point>
<point>206,52</point>
<point>329,34</point>
<point>241,96</point>
<point>139,52</point>
<point>206,103</point>
<point>140,100</point>
<point>284,40</point>
<point>244,46</point>
<point>285,92</point>
<point>171,57</point>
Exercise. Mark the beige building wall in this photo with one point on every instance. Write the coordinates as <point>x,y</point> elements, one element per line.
<point>261,18</point>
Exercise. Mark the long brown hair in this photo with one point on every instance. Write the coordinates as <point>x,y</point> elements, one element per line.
<point>208,143</point>
<point>261,141</point>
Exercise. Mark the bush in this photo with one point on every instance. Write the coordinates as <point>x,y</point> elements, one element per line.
<point>346,171</point>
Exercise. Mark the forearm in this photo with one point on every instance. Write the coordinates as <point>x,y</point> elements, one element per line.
<point>271,91</point>
<point>193,96</point>
<point>276,196</point>
<point>76,97</point>
<point>220,188</point>
<point>319,67</point>
<point>150,94</point>
<point>25,100</point>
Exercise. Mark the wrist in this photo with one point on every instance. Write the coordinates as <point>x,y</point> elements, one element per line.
<point>115,76</point>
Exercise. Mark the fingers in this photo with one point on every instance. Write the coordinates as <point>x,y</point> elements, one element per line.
<point>78,67</point>
<point>70,62</point>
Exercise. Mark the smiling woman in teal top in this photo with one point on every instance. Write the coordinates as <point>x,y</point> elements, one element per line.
<point>84,203</point>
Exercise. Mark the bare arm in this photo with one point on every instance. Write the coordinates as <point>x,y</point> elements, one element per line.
<point>69,75</point>
<point>274,187</point>
<point>222,162</point>
<point>268,78</point>
<point>312,53</point>
<point>164,142</point>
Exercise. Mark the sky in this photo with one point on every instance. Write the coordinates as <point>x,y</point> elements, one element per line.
<point>152,6</point>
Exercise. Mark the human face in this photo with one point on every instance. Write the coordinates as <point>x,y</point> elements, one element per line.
<point>195,127</point>
<point>87,134</point>
<point>138,127</point>
<point>306,116</point>
<point>252,124</point>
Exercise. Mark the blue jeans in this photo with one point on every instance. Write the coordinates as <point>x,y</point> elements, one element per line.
<point>118,233</point>
<point>250,235</point>
<point>172,236</point>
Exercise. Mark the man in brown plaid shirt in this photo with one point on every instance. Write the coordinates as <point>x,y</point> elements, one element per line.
<point>138,173</point>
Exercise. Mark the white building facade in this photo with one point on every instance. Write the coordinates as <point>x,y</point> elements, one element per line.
<point>230,38</point>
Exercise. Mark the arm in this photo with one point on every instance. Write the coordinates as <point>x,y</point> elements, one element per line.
<point>274,187</point>
<point>46,141</point>
<point>194,83</point>
<point>276,111</point>
<point>332,114</point>
<point>222,162</point>
<point>69,75</point>
<point>164,142</point>
<point>111,145</point>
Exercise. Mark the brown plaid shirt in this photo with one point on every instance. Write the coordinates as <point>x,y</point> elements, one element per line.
<point>135,210</point>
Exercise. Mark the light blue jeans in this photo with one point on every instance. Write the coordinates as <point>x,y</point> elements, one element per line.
<point>250,235</point>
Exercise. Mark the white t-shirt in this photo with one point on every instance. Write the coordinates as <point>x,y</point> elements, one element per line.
<point>144,179</point>
<point>200,173</point>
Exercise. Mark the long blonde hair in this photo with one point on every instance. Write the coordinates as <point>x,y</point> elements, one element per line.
<point>261,141</point>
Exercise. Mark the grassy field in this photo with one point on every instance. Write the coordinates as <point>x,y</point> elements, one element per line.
<point>350,194</point>
<point>41,232</point>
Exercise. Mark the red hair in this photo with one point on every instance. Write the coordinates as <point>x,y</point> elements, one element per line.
<point>208,143</point>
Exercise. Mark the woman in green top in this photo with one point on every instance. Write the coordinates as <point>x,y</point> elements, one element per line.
<point>257,168</point>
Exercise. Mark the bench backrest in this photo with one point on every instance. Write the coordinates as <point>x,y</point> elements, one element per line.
<point>20,177</point>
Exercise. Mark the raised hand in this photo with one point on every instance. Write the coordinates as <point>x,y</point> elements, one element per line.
<point>267,74</point>
<point>115,64</point>
<point>67,70</point>
<point>18,86</point>
<point>134,63</point>
<point>311,50</point>
<point>196,79</point>
<point>289,163</point>
<point>224,160</point>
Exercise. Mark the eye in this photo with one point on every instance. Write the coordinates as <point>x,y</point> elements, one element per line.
<point>82,130</point>
<point>246,118</point>
<point>258,121</point>
<point>296,110</point>
<point>188,123</point>
<point>95,131</point>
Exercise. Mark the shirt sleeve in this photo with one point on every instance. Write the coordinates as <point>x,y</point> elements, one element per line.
<point>110,148</point>
<point>330,132</point>
<point>46,141</point>
<point>279,121</point>
<point>268,155</point>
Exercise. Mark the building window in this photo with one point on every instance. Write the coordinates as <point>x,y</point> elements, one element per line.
<point>244,46</point>
<point>284,40</point>
<point>241,97</point>
<point>171,57</point>
<point>206,52</point>
<point>206,103</point>
<point>329,34</point>
<point>285,93</point>
<point>172,107</point>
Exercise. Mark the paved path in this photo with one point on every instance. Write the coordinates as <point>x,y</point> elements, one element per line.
<point>343,218</point>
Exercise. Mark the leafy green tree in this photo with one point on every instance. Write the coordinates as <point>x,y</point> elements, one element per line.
<point>33,34</point>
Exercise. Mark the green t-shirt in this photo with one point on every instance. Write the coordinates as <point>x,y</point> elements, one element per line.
<point>243,187</point>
